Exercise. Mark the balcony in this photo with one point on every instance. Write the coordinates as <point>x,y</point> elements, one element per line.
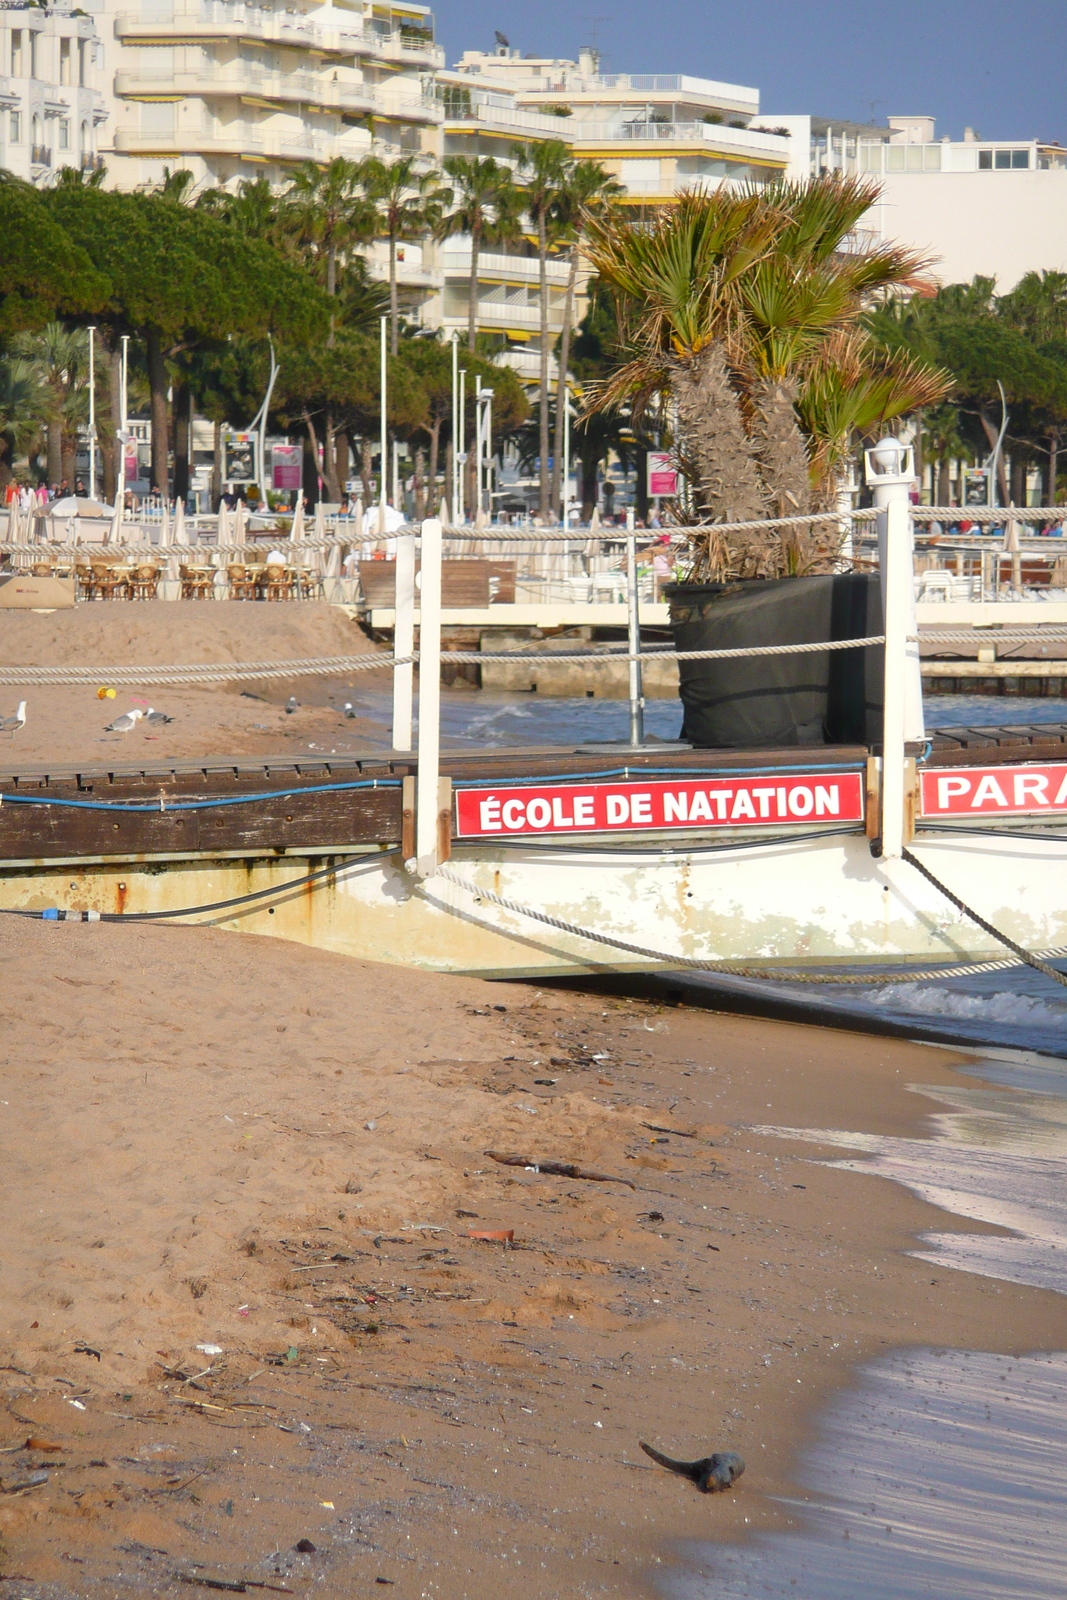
<point>239,141</point>
<point>40,156</point>
<point>456,261</point>
<point>480,108</point>
<point>215,20</point>
<point>407,49</point>
<point>239,80</point>
<point>91,163</point>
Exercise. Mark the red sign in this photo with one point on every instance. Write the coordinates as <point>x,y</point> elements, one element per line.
<point>662,474</point>
<point>698,803</point>
<point>996,791</point>
<point>286,466</point>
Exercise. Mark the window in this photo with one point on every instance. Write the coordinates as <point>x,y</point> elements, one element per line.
<point>985,160</point>
<point>64,133</point>
<point>1002,160</point>
<point>1020,159</point>
<point>16,53</point>
<point>33,54</point>
<point>64,60</point>
<point>15,128</point>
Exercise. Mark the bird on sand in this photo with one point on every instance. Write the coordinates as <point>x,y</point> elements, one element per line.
<point>13,724</point>
<point>126,722</point>
<point>350,710</point>
<point>156,718</point>
<point>711,1474</point>
<point>291,705</point>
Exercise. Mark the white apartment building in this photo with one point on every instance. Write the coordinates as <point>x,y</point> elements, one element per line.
<point>973,205</point>
<point>229,90</point>
<point>51,107</point>
<point>655,134</point>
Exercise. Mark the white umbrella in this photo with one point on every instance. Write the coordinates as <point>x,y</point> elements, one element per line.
<point>13,522</point>
<point>357,515</point>
<point>114,533</point>
<point>442,512</point>
<point>1011,536</point>
<point>164,526</point>
<point>479,521</point>
<point>223,527</point>
<point>296,532</point>
<point>333,562</point>
<point>238,534</point>
<point>181,535</point>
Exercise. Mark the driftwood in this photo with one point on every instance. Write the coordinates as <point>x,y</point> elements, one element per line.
<point>558,1169</point>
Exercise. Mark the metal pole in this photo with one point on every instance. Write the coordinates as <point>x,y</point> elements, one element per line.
<point>403,639</point>
<point>382,476</point>
<point>477,445</point>
<point>454,492</point>
<point>92,415</point>
<point>566,452</point>
<point>489,453</point>
<point>396,474</point>
<point>637,702</point>
<point>426,806</point>
<point>122,432</point>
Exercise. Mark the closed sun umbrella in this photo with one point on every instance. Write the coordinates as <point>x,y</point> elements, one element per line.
<point>223,527</point>
<point>181,533</point>
<point>164,526</point>
<point>296,533</point>
<point>239,535</point>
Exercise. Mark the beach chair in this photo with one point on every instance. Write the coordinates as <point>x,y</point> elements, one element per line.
<point>242,582</point>
<point>144,582</point>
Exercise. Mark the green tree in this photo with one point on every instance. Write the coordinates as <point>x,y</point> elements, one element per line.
<point>410,204</point>
<point>545,169</point>
<point>23,411</point>
<point>589,191</point>
<point>58,358</point>
<point>485,208</point>
<point>43,272</point>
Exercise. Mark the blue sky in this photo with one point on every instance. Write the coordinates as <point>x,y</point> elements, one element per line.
<point>999,66</point>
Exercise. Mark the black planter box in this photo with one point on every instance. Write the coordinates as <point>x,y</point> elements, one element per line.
<point>773,702</point>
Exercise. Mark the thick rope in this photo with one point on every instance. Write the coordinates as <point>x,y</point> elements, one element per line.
<point>741,970</point>
<point>968,911</point>
<point>338,666</point>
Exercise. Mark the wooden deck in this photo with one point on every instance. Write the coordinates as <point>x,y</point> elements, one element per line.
<point>300,807</point>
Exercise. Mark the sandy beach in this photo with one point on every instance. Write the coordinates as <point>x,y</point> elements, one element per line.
<point>247,1334</point>
<point>66,726</point>
<point>211,1140</point>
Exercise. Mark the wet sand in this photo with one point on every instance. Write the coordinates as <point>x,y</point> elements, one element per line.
<point>213,1139</point>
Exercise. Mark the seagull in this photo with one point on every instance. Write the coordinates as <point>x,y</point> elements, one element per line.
<point>125,723</point>
<point>350,710</point>
<point>13,724</point>
<point>291,705</point>
<point>156,718</point>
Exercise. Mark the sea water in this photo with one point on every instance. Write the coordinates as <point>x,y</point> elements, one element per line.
<point>939,1472</point>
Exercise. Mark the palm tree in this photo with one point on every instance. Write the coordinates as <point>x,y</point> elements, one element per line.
<point>409,204</point>
<point>588,191</point>
<point>745,307</point>
<point>56,356</point>
<point>328,213</point>
<point>22,408</point>
<point>485,209</point>
<point>546,169</point>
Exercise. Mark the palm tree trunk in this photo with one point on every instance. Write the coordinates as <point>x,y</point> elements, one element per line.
<point>435,451</point>
<point>472,291</point>
<point>110,419</point>
<point>329,459</point>
<point>943,481</point>
<point>394,303</point>
<point>561,386</point>
<point>157,379</point>
<point>542,254</point>
<point>778,446</point>
<point>366,470</point>
<point>714,450</point>
<point>331,287</point>
<point>54,438</point>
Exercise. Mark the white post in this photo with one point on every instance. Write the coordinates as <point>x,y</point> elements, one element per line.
<point>383,475</point>
<point>461,456</point>
<point>889,472</point>
<point>403,639</point>
<point>122,433</point>
<point>477,445</point>
<point>396,474</point>
<point>637,703</point>
<point>92,415</point>
<point>453,497</point>
<point>426,805</point>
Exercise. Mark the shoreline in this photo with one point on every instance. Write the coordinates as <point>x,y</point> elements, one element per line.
<point>196,1119</point>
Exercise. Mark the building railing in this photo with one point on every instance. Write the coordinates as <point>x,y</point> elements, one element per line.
<point>457,258</point>
<point>40,156</point>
